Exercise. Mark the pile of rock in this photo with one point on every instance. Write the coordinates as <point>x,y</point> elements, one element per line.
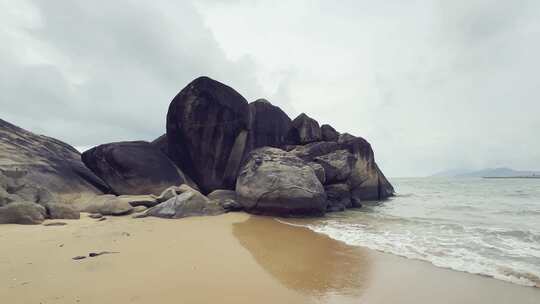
<point>248,156</point>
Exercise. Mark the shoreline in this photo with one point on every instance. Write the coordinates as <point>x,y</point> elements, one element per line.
<point>231,258</point>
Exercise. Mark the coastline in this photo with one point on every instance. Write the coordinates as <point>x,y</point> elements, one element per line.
<point>231,258</point>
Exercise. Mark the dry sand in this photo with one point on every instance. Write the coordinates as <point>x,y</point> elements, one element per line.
<point>232,258</point>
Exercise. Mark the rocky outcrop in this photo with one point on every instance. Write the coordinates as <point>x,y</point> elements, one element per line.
<point>188,202</point>
<point>304,130</point>
<point>273,181</point>
<point>329,133</point>
<point>337,165</point>
<point>226,199</point>
<point>22,213</point>
<point>339,196</point>
<point>207,125</point>
<point>133,168</point>
<point>268,126</point>
<point>28,160</point>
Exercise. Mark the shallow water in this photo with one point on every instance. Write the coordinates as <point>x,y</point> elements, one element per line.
<point>483,226</point>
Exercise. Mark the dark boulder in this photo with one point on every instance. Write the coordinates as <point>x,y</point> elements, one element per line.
<point>189,202</point>
<point>273,181</point>
<point>337,165</point>
<point>329,133</point>
<point>162,144</point>
<point>366,180</point>
<point>304,130</point>
<point>26,213</point>
<point>338,196</point>
<point>268,125</point>
<point>133,167</point>
<point>29,162</point>
<point>207,132</point>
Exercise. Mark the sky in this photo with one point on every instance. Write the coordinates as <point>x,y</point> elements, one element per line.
<point>432,85</point>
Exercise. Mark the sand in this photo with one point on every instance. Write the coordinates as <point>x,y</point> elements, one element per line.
<point>232,258</point>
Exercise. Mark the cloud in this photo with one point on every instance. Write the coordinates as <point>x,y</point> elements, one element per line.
<point>101,71</point>
<point>431,84</point>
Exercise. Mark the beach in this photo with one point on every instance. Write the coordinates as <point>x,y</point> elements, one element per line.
<point>231,258</point>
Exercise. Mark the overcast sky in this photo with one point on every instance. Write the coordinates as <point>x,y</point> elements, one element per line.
<point>433,85</point>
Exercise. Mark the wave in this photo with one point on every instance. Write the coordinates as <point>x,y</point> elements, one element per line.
<point>509,255</point>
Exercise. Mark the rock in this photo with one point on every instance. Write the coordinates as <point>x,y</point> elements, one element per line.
<point>338,196</point>
<point>189,203</point>
<point>6,198</point>
<point>79,257</point>
<point>133,168</point>
<point>273,181</point>
<point>95,215</point>
<point>310,151</point>
<point>226,199</point>
<point>22,213</point>
<point>109,205</point>
<point>319,171</point>
<point>168,193</point>
<point>337,165</point>
<point>207,131</point>
<point>139,209</point>
<point>268,125</point>
<point>37,161</point>
<point>162,144</point>
<point>329,133</point>
<point>304,130</point>
<point>148,201</point>
<point>366,180</point>
<point>62,211</point>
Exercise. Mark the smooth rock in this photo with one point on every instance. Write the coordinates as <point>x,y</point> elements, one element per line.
<point>226,199</point>
<point>273,181</point>
<point>304,130</point>
<point>22,213</point>
<point>329,133</point>
<point>43,162</point>
<point>337,165</point>
<point>207,132</point>
<point>189,203</point>
<point>338,195</point>
<point>133,168</point>
<point>269,125</point>
<point>319,171</point>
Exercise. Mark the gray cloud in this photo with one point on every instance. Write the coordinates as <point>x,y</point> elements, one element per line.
<point>431,84</point>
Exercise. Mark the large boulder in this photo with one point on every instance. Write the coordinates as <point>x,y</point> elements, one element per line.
<point>29,161</point>
<point>329,133</point>
<point>62,211</point>
<point>189,202</point>
<point>273,181</point>
<point>366,180</point>
<point>207,132</point>
<point>268,125</point>
<point>133,168</point>
<point>304,130</point>
<point>310,151</point>
<point>337,165</point>
<point>22,213</point>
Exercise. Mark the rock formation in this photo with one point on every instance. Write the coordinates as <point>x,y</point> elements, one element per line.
<point>273,181</point>
<point>207,132</point>
<point>268,126</point>
<point>134,168</point>
<point>304,130</point>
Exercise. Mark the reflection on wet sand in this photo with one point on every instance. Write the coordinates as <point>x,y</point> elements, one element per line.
<point>305,261</point>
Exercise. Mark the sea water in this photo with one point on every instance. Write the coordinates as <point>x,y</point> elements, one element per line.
<point>483,226</point>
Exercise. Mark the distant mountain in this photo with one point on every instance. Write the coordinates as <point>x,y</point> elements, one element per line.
<point>491,172</point>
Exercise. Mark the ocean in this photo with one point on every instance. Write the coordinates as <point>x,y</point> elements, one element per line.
<point>488,227</point>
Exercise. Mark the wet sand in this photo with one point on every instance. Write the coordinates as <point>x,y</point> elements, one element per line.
<point>232,258</point>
